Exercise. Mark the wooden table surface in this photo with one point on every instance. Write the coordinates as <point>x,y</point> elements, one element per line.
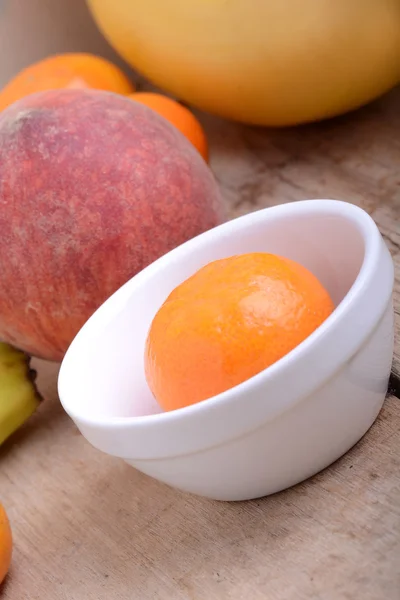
<point>89,527</point>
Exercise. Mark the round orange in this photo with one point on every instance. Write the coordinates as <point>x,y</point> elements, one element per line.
<point>232,319</point>
<point>5,544</point>
<point>178,115</point>
<point>70,70</point>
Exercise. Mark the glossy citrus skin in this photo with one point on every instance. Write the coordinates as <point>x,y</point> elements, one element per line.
<point>5,544</point>
<point>178,115</point>
<point>229,321</point>
<point>71,70</point>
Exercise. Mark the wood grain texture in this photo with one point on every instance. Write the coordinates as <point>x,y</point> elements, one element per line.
<point>88,527</point>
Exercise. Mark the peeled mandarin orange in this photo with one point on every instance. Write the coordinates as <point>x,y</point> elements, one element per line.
<point>232,319</point>
<point>70,70</point>
<point>5,544</point>
<point>178,115</point>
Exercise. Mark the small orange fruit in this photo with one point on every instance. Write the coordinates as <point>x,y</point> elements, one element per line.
<point>229,321</point>
<point>70,70</point>
<point>178,115</point>
<point>5,544</point>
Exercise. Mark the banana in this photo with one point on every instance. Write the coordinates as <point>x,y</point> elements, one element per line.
<point>19,396</point>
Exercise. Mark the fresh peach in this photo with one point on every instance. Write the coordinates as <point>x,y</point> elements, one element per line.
<point>93,187</point>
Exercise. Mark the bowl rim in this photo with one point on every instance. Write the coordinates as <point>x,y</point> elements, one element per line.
<point>372,269</point>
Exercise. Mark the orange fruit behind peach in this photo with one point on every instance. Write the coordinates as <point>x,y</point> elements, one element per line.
<point>232,319</point>
<point>5,544</point>
<point>178,115</point>
<point>70,70</point>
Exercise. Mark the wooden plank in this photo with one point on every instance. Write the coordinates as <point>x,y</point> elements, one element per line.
<point>87,526</point>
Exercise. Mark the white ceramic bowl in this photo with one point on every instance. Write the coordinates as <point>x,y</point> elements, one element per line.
<point>283,425</point>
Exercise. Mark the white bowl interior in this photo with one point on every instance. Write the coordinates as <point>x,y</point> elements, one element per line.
<point>108,379</point>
